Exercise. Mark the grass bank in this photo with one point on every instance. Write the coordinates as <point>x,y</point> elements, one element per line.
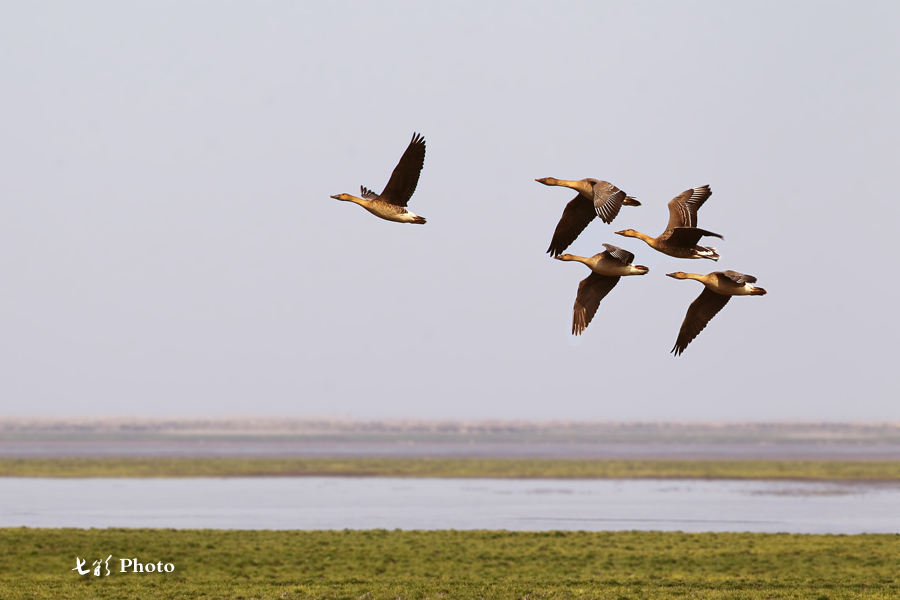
<point>37,563</point>
<point>449,467</point>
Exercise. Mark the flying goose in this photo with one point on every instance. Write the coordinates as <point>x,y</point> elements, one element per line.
<point>720,287</point>
<point>391,203</point>
<point>607,267</point>
<point>595,199</point>
<point>682,234</point>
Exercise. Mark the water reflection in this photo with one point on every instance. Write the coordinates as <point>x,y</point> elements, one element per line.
<point>366,503</point>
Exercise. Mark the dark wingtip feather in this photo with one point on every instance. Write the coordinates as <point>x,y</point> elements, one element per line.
<point>707,232</point>
<point>578,323</point>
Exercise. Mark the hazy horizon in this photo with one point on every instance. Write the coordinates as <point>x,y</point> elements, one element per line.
<point>312,424</point>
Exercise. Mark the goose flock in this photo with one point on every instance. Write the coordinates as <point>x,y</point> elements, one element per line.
<point>603,200</point>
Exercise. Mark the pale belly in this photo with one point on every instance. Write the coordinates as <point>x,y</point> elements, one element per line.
<point>731,290</point>
<point>614,270</point>
<point>390,212</point>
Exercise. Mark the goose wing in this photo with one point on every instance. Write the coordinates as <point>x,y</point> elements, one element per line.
<point>699,313</point>
<point>687,237</point>
<point>403,181</point>
<point>622,255</point>
<point>736,277</point>
<point>608,200</point>
<point>576,216</point>
<point>683,207</point>
<point>591,291</point>
<point>367,193</point>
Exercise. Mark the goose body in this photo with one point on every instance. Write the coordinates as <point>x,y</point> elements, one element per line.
<point>383,209</point>
<point>595,199</point>
<point>390,205</point>
<point>606,270</point>
<point>720,286</point>
<point>682,234</point>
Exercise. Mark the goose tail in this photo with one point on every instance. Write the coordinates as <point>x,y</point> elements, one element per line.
<point>709,253</point>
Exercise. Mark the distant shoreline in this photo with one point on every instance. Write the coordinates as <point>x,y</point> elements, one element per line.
<point>453,429</point>
<point>320,438</point>
<point>861,472</point>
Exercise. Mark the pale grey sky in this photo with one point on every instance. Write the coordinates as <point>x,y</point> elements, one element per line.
<point>168,245</point>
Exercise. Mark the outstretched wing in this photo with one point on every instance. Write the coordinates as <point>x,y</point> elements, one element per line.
<point>608,200</point>
<point>591,291</point>
<point>699,313</point>
<point>623,255</point>
<point>576,216</point>
<point>683,207</point>
<point>400,187</point>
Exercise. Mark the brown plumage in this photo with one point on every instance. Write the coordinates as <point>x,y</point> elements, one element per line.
<point>606,270</point>
<point>595,199</point>
<point>591,291</point>
<point>720,286</point>
<point>682,234</point>
<point>391,203</point>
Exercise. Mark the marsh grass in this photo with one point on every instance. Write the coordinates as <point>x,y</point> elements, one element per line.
<point>36,563</point>
<point>449,467</point>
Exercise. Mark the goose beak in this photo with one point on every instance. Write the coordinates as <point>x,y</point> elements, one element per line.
<point>672,275</point>
<point>336,196</point>
<point>620,232</point>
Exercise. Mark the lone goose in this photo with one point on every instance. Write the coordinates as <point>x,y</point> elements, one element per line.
<point>595,199</point>
<point>391,203</point>
<point>682,234</point>
<point>720,287</point>
<point>607,267</point>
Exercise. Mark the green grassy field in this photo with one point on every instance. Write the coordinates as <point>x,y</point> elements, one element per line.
<point>448,467</point>
<point>37,563</point>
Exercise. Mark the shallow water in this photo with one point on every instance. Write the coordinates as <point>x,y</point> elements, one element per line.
<point>522,504</point>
